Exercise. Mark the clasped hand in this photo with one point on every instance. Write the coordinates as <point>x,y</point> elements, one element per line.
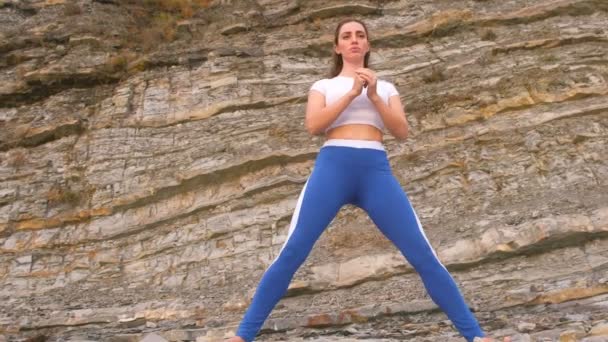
<point>365,78</point>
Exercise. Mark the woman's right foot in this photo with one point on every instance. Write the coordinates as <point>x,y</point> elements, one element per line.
<point>235,339</point>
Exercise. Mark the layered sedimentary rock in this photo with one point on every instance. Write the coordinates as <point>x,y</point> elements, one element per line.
<point>145,190</point>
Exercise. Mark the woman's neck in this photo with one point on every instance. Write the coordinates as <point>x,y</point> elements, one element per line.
<point>348,69</point>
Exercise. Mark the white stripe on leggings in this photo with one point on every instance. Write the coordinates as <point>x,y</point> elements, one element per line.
<point>294,220</point>
<point>427,239</point>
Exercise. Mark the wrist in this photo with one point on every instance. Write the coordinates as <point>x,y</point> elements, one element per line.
<point>351,95</point>
<point>374,98</point>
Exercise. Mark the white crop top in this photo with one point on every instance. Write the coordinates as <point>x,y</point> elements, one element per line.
<point>361,110</point>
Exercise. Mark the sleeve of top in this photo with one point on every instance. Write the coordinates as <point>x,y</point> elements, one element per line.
<point>319,86</point>
<point>392,91</point>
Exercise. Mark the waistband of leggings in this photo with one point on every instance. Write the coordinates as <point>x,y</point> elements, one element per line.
<point>376,145</point>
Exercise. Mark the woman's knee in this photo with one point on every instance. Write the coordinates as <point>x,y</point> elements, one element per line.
<point>424,261</point>
<point>290,258</point>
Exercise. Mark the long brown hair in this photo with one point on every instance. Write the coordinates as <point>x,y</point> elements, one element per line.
<point>337,62</point>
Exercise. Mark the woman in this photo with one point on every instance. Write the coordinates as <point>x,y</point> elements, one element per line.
<point>352,167</point>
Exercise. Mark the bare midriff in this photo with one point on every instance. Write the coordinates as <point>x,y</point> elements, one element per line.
<point>355,131</point>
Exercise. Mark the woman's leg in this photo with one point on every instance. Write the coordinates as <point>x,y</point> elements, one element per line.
<point>388,206</point>
<point>324,193</point>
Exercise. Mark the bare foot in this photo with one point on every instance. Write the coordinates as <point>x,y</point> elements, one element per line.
<point>235,339</point>
<point>489,339</point>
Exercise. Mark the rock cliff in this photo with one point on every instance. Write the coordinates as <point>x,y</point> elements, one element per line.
<point>152,153</point>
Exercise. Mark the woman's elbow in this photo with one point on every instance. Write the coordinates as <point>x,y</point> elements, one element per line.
<point>401,134</point>
<point>401,137</point>
<point>311,128</point>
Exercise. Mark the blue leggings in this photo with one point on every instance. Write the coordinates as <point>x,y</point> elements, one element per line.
<point>356,172</point>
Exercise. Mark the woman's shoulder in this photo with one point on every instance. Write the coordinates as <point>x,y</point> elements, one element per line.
<point>327,83</point>
<point>323,80</point>
<point>320,86</point>
<point>319,83</point>
<point>389,86</point>
<point>328,80</point>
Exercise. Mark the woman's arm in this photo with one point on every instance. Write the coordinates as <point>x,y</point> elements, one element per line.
<point>319,116</point>
<point>392,115</point>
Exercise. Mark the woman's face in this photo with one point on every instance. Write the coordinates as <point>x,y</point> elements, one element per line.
<point>352,42</point>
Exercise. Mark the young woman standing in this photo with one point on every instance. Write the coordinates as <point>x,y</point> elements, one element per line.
<point>352,108</point>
